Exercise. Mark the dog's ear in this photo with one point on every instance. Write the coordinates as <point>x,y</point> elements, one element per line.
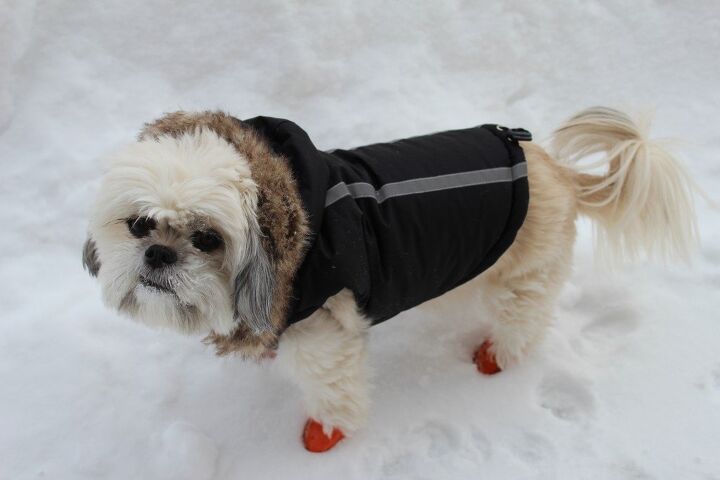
<point>90,259</point>
<point>254,287</point>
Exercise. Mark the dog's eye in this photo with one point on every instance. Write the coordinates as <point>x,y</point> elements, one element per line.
<point>140,226</point>
<point>206,240</point>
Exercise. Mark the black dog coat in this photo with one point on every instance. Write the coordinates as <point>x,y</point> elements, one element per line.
<point>403,222</point>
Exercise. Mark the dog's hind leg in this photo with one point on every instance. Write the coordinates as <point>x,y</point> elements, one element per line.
<point>325,355</point>
<point>521,288</point>
<point>522,309</point>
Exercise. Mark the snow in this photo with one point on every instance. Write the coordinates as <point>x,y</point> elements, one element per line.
<point>627,384</point>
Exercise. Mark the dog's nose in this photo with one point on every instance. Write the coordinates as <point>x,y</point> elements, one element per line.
<point>157,256</point>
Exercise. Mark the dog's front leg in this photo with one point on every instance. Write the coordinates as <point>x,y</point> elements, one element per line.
<point>325,355</point>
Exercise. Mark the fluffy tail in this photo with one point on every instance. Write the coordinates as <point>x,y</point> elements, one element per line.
<point>643,203</point>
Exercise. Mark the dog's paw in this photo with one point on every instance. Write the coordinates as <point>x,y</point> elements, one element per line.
<point>316,440</point>
<point>484,359</point>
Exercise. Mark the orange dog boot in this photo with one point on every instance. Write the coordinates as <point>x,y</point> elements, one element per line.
<point>315,439</point>
<point>485,360</point>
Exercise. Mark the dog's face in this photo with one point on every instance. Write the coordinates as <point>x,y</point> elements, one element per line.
<point>174,238</point>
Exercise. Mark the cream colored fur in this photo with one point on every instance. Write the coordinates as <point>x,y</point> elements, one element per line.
<point>644,205</point>
<point>194,181</point>
<point>325,355</point>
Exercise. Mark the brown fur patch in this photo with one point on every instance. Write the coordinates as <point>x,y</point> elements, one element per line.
<point>280,214</point>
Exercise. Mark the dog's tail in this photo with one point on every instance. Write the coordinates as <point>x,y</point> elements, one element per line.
<point>643,202</point>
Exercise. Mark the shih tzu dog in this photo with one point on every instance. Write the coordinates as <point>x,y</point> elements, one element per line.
<point>244,231</point>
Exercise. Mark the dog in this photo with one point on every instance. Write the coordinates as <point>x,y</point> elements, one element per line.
<point>214,225</point>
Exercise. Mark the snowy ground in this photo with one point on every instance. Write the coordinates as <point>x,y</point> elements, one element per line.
<point>622,389</point>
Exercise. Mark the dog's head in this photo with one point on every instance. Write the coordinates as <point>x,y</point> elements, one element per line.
<point>174,237</point>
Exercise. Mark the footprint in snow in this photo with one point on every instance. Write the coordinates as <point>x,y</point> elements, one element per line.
<point>566,397</point>
<point>482,444</point>
<point>615,321</point>
<point>443,439</point>
<point>630,470</point>
<point>533,448</point>
<point>184,452</point>
<point>434,447</point>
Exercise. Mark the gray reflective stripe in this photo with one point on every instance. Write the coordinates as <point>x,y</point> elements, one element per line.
<point>424,185</point>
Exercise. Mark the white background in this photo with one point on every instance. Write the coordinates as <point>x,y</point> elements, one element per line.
<point>627,384</point>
